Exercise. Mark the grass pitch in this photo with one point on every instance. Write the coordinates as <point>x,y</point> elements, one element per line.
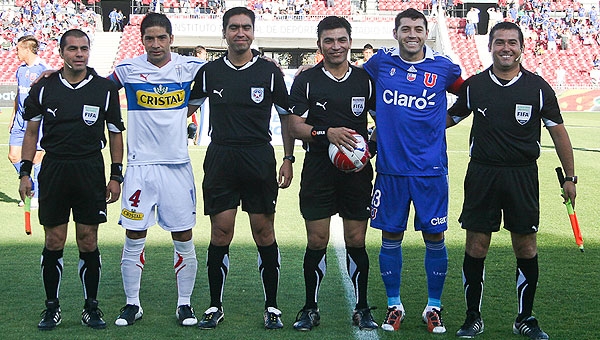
<point>565,304</point>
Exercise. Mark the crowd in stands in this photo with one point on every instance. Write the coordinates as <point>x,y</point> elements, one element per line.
<point>46,19</point>
<point>545,28</point>
<point>549,26</point>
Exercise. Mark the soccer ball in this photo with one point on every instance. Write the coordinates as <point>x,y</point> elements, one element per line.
<point>350,161</point>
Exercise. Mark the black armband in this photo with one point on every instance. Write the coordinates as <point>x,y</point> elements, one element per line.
<point>26,167</point>
<point>372,145</point>
<point>116,172</point>
<point>319,133</point>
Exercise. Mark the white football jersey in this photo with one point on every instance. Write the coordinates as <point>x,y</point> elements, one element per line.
<point>157,100</point>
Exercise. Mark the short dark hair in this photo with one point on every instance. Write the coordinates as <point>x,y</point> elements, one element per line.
<point>507,25</point>
<point>77,33</point>
<point>410,13</point>
<point>368,47</point>
<point>236,11</point>
<point>199,49</point>
<point>156,20</point>
<point>31,42</point>
<point>333,22</point>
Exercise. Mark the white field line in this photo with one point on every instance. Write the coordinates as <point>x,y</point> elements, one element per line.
<point>337,237</point>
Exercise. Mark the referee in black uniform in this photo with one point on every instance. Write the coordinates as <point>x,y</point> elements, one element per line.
<point>240,164</point>
<point>75,105</point>
<point>509,104</point>
<point>329,103</point>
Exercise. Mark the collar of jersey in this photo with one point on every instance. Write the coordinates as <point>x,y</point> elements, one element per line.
<point>512,81</point>
<point>255,56</point>
<point>428,54</point>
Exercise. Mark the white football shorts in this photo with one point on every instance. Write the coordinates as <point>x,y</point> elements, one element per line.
<point>163,193</point>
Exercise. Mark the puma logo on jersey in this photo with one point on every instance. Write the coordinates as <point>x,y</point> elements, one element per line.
<point>482,111</point>
<point>145,77</point>
<point>291,109</point>
<point>220,93</point>
<point>322,105</point>
<point>53,112</point>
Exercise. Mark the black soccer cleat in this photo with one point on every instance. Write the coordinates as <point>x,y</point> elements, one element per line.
<point>307,318</point>
<point>272,318</point>
<point>364,319</point>
<point>50,316</point>
<point>473,326</point>
<point>92,315</point>
<point>211,318</point>
<point>530,328</point>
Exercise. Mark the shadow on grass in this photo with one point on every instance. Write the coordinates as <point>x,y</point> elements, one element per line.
<point>564,302</point>
<point>5,198</point>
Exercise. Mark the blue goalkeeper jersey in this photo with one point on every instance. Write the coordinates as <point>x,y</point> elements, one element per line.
<point>411,111</point>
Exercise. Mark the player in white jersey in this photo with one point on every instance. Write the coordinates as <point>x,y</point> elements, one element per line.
<point>159,182</point>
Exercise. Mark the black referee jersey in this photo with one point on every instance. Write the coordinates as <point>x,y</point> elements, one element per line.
<point>240,99</point>
<point>507,116</point>
<point>325,101</point>
<point>74,115</point>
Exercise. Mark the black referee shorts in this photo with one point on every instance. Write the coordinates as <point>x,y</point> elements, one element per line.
<point>240,173</point>
<point>325,190</point>
<point>494,191</point>
<point>76,184</point>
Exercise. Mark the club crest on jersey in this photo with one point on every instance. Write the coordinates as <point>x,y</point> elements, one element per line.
<point>392,71</point>
<point>257,94</point>
<point>411,76</point>
<point>430,79</point>
<point>523,113</point>
<point>90,114</point>
<point>358,105</point>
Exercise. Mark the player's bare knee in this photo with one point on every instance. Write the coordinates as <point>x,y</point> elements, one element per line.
<point>317,241</point>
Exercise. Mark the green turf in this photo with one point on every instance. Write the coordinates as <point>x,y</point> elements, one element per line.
<point>566,299</point>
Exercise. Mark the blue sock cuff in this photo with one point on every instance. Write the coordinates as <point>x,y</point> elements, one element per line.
<point>435,245</point>
<point>390,244</point>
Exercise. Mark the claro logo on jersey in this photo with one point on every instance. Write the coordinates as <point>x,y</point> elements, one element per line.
<point>393,97</point>
<point>160,98</point>
<point>439,220</point>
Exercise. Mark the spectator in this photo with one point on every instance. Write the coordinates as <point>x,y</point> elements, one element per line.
<point>565,39</point>
<point>595,75</point>
<point>470,30</point>
<point>473,17</point>
<point>113,16</point>
<point>560,76</point>
<point>120,20</point>
<point>538,70</point>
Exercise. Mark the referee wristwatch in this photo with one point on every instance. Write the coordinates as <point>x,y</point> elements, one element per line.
<point>571,179</point>
<point>290,158</point>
